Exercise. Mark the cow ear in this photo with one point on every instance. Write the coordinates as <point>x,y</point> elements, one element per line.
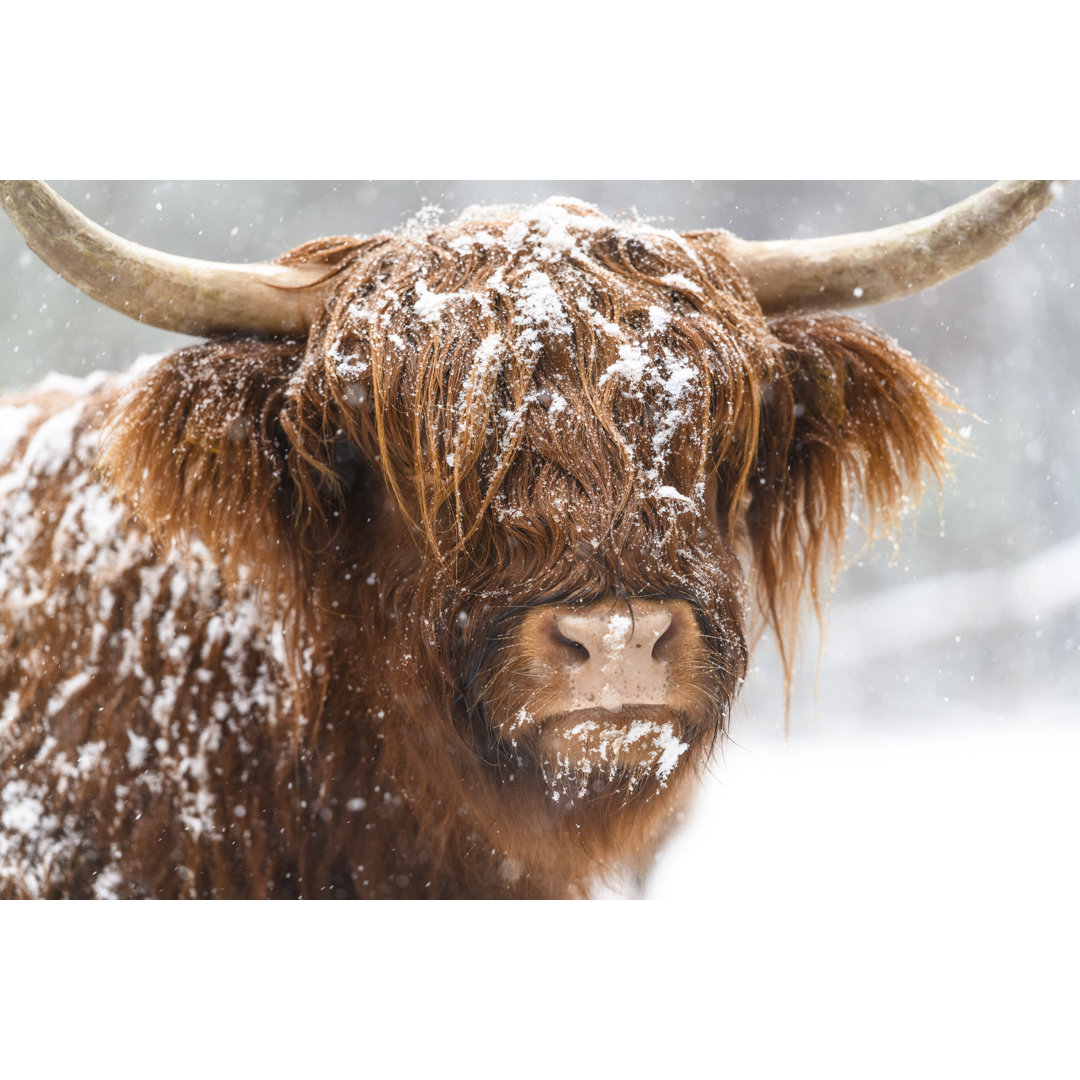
<point>196,448</point>
<point>849,423</point>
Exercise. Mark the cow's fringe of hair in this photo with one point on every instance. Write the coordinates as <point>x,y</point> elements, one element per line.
<point>437,393</point>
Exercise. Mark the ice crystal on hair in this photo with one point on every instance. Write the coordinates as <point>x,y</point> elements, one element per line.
<point>681,281</point>
<point>631,365</point>
<point>539,305</point>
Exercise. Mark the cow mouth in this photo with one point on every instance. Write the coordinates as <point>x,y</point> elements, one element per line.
<point>585,753</point>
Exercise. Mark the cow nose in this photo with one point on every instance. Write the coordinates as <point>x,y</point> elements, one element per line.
<point>605,634</point>
<point>613,654</point>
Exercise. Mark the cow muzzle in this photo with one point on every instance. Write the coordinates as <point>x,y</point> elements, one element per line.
<point>602,697</point>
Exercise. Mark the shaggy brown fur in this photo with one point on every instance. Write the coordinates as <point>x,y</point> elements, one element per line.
<point>291,676</point>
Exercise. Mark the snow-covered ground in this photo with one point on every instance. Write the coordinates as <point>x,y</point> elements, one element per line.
<point>955,815</point>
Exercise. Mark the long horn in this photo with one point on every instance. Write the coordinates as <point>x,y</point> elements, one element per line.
<point>189,296</point>
<point>870,267</point>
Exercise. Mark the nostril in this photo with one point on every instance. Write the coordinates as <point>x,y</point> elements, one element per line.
<point>668,643</point>
<point>566,648</point>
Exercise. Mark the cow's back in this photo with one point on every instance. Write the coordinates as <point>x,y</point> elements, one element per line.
<point>136,705</point>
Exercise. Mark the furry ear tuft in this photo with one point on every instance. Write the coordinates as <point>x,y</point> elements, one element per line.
<point>850,417</point>
<point>196,449</point>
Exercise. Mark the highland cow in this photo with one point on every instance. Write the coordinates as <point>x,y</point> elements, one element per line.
<point>432,572</point>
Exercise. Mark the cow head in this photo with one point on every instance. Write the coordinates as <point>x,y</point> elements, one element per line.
<point>523,478</point>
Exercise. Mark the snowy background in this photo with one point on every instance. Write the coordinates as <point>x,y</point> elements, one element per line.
<point>934,750</point>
